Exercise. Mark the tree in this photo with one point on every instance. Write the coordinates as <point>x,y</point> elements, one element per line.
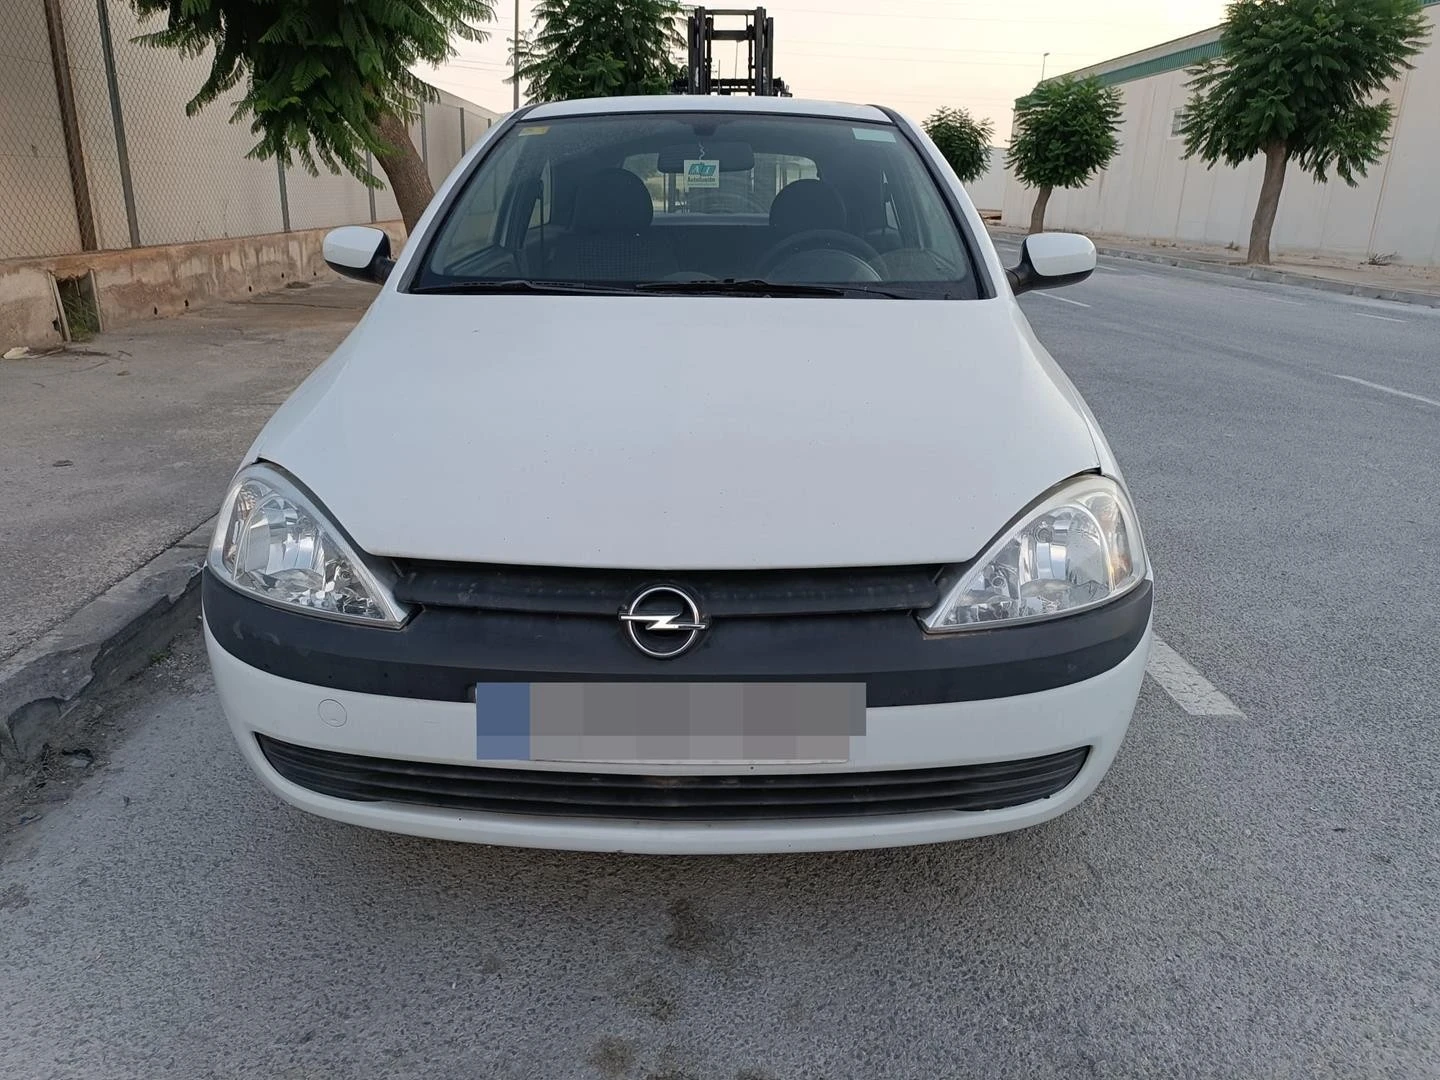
<point>962,140</point>
<point>1294,82</point>
<point>1064,134</point>
<point>325,81</point>
<point>600,48</point>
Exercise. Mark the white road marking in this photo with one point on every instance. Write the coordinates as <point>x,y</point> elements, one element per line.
<point>1186,686</point>
<point>1277,300</point>
<point>1382,318</point>
<point>1385,389</point>
<point>1062,299</point>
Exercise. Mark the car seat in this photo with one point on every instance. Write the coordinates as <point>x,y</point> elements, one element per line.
<point>611,234</point>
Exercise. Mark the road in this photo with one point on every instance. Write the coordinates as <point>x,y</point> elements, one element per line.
<point>1249,895</point>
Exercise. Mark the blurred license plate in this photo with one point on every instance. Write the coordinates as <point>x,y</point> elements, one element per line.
<point>668,722</point>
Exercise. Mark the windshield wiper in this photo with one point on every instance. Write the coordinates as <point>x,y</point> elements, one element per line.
<point>722,287</point>
<point>752,287</point>
<point>524,285</point>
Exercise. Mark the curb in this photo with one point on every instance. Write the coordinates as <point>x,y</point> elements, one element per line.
<point>1280,277</point>
<point>97,648</point>
<point>1268,274</point>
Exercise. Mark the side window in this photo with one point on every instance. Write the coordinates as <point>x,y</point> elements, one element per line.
<point>914,200</point>
<point>475,225</point>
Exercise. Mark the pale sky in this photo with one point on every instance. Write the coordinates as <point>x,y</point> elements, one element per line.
<point>913,55</point>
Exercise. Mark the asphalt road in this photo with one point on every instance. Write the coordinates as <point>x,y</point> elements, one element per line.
<point>1253,895</point>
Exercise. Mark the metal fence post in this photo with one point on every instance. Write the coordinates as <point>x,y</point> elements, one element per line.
<point>424,137</point>
<point>370,168</point>
<point>70,125</point>
<point>284,196</point>
<point>122,151</point>
<point>461,110</point>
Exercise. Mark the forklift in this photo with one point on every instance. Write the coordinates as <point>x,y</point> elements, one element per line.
<point>758,34</point>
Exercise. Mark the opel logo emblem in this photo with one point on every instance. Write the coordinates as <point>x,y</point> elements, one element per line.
<point>663,622</point>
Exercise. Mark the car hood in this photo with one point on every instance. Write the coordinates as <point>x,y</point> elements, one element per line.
<point>670,432</point>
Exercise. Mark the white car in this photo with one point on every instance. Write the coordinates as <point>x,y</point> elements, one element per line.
<point>694,483</point>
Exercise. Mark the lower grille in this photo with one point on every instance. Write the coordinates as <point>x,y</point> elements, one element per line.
<point>990,786</point>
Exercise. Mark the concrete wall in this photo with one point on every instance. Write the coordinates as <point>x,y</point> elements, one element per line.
<point>190,176</point>
<point>157,282</point>
<point>988,192</point>
<point>210,220</point>
<point>1150,192</point>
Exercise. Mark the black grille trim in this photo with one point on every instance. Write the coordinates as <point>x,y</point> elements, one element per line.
<point>748,796</point>
<point>722,593</point>
<point>441,653</point>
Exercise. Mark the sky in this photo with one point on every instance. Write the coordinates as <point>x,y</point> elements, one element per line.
<point>912,55</point>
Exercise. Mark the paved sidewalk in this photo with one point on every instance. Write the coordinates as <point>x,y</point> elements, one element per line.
<point>113,451</point>
<point>1407,284</point>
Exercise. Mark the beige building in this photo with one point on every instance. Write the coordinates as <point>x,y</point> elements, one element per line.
<point>1150,192</point>
<point>987,192</point>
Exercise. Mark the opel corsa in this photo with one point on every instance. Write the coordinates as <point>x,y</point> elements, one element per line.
<point>694,483</point>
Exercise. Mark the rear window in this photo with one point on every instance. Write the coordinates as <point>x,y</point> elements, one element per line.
<point>737,192</point>
<point>638,199</point>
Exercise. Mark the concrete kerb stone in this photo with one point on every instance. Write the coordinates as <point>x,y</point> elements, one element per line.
<point>1279,277</point>
<point>96,649</point>
<point>1260,273</point>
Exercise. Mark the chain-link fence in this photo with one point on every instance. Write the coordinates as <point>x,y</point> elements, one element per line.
<point>96,150</point>
<point>34,168</point>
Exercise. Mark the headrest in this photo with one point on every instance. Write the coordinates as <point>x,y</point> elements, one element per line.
<point>612,200</point>
<point>803,205</point>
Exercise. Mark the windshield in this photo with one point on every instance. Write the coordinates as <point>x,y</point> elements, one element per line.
<point>742,201</point>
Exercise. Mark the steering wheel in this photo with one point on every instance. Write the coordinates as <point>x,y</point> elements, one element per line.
<point>834,241</point>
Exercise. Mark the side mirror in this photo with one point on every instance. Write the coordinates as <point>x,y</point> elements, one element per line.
<point>1051,260</point>
<point>359,252</point>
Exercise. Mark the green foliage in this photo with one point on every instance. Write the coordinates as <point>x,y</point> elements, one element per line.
<point>1301,74</point>
<point>600,48</point>
<point>1064,132</point>
<point>962,140</point>
<point>317,74</point>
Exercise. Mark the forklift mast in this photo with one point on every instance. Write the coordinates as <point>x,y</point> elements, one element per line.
<point>758,34</point>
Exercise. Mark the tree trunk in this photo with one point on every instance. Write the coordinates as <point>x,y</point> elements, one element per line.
<point>1037,216</point>
<point>1276,158</point>
<point>404,168</point>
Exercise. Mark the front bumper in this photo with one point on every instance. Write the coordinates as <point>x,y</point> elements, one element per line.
<point>1092,711</point>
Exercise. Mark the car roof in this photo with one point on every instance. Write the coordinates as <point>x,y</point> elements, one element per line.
<point>707,103</point>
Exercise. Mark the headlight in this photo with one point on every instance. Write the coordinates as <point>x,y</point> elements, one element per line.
<point>1074,549</point>
<point>273,541</point>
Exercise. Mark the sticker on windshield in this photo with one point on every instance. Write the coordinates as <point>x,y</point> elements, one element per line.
<point>870,134</point>
<point>533,130</point>
<point>701,174</point>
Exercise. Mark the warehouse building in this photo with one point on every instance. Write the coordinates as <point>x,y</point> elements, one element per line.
<point>1150,192</point>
